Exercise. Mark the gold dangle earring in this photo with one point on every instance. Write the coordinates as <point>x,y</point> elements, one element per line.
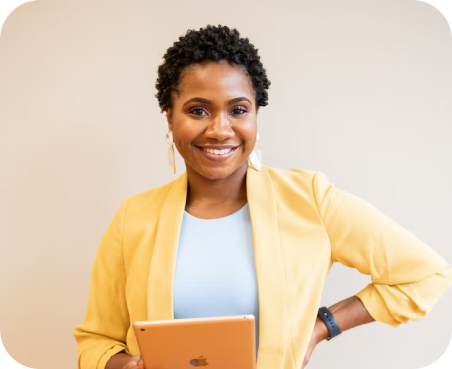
<point>169,141</point>
<point>254,160</point>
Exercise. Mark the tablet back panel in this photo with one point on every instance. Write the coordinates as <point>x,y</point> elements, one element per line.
<point>226,342</point>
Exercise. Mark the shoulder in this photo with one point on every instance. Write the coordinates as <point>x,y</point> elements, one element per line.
<point>299,181</point>
<point>149,200</point>
<point>292,177</point>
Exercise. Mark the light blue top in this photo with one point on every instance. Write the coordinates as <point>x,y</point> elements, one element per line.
<point>215,269</point>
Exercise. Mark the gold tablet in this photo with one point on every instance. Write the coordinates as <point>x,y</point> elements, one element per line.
<point>222,342</point>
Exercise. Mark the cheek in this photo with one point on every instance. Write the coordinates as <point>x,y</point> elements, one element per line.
<point>184,135</point>
<point>248,129</point>
<point>248,133</point>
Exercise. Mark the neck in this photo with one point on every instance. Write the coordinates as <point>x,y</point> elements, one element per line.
<point>204,191</point>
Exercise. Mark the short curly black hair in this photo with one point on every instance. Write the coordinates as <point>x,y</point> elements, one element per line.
<point>214,43</point>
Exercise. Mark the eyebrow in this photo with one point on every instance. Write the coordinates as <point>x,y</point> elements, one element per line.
<point>209,102</point>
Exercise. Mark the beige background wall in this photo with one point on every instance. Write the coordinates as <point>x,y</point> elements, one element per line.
<point>360,90</point>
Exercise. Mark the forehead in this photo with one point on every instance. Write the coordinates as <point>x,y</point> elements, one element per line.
<point>214,78</point>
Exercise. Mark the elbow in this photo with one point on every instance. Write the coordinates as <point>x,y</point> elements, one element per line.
<point>446,274</point>
<point>435,287</point>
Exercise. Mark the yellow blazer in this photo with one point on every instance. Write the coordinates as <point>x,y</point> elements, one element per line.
<point>301,224</point>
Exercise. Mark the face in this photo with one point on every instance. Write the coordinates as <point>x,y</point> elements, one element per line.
<point>215,110</point>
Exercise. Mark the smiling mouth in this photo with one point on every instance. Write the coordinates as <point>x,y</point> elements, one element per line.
<point>216,151</point>
<point>217,155</point>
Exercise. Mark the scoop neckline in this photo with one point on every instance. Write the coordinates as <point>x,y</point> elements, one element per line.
<point>227,216</point>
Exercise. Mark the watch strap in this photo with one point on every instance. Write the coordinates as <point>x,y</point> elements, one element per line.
<point>328,318</point>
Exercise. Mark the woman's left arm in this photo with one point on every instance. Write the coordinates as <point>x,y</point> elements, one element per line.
<point>408,277</point>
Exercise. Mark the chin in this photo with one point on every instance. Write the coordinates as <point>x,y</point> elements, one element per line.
<point>216,173</point>
<point>220,172</point>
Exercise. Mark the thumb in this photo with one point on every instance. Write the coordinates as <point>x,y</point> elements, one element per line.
<point>140,364</point>
<point>135,359</point>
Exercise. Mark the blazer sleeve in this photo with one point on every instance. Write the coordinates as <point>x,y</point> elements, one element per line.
<point>408,277</point>
<point>104,330</point>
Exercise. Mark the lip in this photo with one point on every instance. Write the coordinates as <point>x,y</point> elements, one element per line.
<point>219,147</point>
<point>215,157</point>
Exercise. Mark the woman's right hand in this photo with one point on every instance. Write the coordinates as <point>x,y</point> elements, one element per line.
<point>121,360</point>
<point>134,362</point>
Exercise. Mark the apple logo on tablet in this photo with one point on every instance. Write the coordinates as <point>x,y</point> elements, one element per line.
<point>201,361</point>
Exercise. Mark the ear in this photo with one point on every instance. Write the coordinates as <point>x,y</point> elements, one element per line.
<point>169,117</point>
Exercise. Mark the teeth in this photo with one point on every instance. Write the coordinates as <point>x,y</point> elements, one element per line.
<point>217,152</point>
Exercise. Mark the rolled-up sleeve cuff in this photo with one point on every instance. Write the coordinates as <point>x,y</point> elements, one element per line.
<point>113,351</point>
<point>375,305</point>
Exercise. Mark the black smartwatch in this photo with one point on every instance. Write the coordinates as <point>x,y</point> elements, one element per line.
<point>330,322</point>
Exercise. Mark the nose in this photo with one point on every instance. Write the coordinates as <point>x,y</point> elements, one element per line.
<point>219,128</point>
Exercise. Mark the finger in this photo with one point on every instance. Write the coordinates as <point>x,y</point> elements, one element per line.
<point>305,363</point>
<point>133,363</point>
<point>140,364</point>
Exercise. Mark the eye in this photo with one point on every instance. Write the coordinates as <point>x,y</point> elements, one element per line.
<point>240,109</point>
<point>197,109</point>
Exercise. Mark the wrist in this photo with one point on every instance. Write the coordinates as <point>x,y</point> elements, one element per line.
<point>118,361</point>
<point>321,330</point>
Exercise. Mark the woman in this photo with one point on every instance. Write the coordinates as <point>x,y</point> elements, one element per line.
<point>253,238</point>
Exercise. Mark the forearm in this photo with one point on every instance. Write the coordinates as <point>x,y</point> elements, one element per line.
<point>349,313</point>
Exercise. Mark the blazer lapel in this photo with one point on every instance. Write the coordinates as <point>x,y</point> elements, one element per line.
<point>163,262</point>
<point>268,263</point>
<point>269,269</point>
